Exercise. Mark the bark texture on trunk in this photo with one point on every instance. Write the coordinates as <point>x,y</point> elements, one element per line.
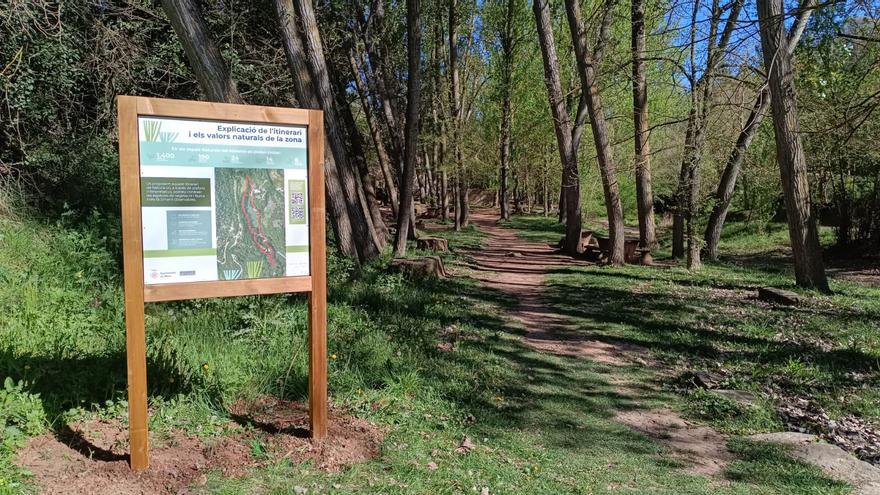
<point>305,95</point>
<point>411,133</point>
<point>808,265</point>
<point>507,41</point>
<point>201,51</point>
<point>350,212</point>
<point>644,195</point>
<point>454,99</point>
<point>562,126</point>
<point>375,134</point>
<point>586,63</point>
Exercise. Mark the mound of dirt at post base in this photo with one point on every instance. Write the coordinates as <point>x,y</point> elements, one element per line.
<point>91,457</point>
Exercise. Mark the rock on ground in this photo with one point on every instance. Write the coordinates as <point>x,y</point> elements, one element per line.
<point>834,461</point>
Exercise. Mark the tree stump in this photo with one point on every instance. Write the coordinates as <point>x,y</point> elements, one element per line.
<point>426,266</point>
<point>437,244</point>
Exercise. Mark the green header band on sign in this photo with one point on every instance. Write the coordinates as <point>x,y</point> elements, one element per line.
<point>172,253</point>
<point>296,249</point>
<point>221,156</point>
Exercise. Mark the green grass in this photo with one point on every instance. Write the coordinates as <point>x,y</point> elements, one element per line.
<point>541,423</point>
<point>827,351</point>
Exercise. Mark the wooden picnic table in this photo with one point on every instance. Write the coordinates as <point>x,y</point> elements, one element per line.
<point>631,251</point>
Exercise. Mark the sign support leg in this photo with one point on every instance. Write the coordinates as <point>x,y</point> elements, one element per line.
<point>137,386</point>
<point>133,268</point>
<point>318,295</point>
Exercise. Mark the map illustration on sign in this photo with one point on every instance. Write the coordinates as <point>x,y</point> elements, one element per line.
<point>222,200</point>
<point>250,223</point>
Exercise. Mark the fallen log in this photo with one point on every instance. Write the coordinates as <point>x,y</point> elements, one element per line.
<point>781,296</point>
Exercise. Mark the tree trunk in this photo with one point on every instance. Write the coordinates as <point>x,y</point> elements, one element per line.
<point>808,265</point>
<point>586,63</point>
<point>561,212</point>
<point>429,180</point>
<point>461,182</point>
<point>507,41</point>
<point>545,193</point>
<point>305,94</point>
<point>359,157</point>
<point>727,184</point>
<point>561,124</point>
<point>411,132</point>
<point>680,193</point>
<point>201,51</point>
<point>375,134</point>
<point>644,196</point>
<point>311,78</point>
<point>444,196</point>
<point>505,155</point>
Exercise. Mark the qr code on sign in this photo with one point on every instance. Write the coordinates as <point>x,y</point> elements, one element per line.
<point>297,213</point>
<point>297,198</point>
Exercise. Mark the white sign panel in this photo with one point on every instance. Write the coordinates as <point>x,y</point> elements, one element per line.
<point>223,200</point>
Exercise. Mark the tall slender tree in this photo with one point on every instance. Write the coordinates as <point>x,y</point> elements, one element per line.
<point>507,37</point>
<point>723,195</point>
<point>566,134</point>
<point>808,265</point>
<point>644,195</point>
<point>304,50</point>
<point>701,96</point>
<point>588,58</point>
<point>413,99</point>
<point>459,186</point>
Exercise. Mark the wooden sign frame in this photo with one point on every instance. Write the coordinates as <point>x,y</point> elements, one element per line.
<point>137,293</point>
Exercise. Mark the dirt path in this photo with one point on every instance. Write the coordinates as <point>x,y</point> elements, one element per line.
<point>519,268</point>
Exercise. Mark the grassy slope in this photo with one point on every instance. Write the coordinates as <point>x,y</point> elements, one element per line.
<point>541,423</point>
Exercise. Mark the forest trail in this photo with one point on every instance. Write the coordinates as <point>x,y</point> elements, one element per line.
<point>519,268</point>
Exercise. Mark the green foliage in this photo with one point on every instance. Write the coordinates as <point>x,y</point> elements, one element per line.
<point>21,413</point>
<point>21,416</point>
<point>730,416</point>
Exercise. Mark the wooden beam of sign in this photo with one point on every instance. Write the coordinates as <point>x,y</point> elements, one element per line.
<point>133,269</point>
<point>318,296</point>
<point>138,290</point>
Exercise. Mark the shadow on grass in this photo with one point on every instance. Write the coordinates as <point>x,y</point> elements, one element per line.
<point>696,328</point>
<point>65,383</point>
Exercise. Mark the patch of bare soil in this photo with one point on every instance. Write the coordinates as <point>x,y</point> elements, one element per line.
<point>349,440</point>
<point>518,268</point>
<point>703,449</point>
<point>91,457</point>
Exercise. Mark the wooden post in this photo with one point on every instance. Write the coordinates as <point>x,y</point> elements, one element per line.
<point>318,272</point>
<point>133,267</point>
